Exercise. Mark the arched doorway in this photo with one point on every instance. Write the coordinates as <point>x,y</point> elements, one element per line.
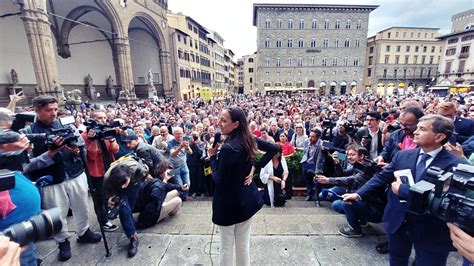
<point>353,87</point>
<point>322,88</point>
<point>311,84</point>
<point>343,87</point>
<point>332,88</point>
<point>145,47</point>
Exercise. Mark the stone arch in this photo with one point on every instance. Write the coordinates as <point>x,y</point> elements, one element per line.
<point>322,88</point>
<point>332,88</point>
<point>311,84</point>
<point>343,87</point>
<point>155,28</point>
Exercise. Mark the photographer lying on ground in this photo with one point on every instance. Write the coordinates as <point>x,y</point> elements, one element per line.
<point>360,213</point>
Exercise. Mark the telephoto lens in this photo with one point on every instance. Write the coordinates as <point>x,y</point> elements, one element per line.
<point>37,228</point>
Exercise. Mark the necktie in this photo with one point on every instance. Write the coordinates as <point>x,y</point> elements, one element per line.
<point>421,166</point>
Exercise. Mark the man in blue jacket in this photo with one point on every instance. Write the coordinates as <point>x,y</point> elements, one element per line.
<point>429,235</point>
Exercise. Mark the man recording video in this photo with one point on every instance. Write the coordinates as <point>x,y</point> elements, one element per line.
<point>100,153</point>
<point>69,184</point>
<point>429,235</point>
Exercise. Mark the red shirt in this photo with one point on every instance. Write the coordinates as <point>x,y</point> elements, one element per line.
<point>287,149</point>
<point>95,161</point>
<point>257,133</point>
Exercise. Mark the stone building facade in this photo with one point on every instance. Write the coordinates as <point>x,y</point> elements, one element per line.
<point>401,59</point>
<point>311,47</point>
<point>249,70</point>
<point>456,69</point>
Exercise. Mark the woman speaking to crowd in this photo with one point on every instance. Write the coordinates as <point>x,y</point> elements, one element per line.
<point>236,198</point>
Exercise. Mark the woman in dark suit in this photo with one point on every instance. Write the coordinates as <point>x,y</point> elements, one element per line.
<point>236,198</point>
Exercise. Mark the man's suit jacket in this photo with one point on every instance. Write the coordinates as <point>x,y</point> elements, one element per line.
<point>319,159</point>
<point>365,132</point>
<point>424,228</point>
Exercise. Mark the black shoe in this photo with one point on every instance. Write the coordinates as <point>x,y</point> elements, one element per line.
<point>382,248</point>
<point>109,227</point>
<point>348,231</point>
<point>89,237</point>
<point>64,251</point>
<point>133,246</point>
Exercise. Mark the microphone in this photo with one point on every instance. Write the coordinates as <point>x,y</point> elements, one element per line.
<point>217,139</point>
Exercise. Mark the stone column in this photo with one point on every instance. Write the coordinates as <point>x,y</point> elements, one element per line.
<point>38,32</point>
<point>166,67</point>
<point>125,76</point>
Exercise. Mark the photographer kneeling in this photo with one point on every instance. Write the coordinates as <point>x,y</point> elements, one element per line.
<point>357,214</point>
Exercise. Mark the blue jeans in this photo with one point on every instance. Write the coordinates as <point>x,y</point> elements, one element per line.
<point>309,178</point>
<point>126,218</point>
<point>27,257</point>
<point>359,211</point>
<point>181,177</point>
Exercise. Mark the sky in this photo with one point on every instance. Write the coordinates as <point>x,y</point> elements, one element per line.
<point>232,19</point>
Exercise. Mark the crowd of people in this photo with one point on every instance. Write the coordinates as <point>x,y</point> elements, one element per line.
<point>148,157</point>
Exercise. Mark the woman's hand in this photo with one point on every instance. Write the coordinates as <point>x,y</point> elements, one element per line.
<point>248,179</point>
<point>283,184</point>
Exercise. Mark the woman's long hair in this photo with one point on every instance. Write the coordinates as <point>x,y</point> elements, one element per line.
<point>242,133</point>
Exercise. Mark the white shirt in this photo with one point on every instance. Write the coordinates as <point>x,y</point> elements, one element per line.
<point>373,146</point>
<point>432,153</point>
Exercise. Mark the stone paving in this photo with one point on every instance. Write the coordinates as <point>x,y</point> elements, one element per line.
<point>297,234</point>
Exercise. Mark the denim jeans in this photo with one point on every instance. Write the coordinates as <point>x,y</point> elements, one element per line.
<point>359,211</point>
<point>27,257</point>
<point>125,213</point>
<point>309,178</point>
<point>181,177</point>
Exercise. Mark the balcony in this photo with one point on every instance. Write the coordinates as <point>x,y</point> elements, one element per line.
<point>402,77</point>
<point>464,55</point>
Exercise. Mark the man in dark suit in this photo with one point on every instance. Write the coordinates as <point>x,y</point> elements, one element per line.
<point>463,127</point>
<point>312,162</point>
<point>428,234</point>
<point>370,137</point>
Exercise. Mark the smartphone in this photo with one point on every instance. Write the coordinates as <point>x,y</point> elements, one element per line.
<point>342,157</point>
<point>67,120</point>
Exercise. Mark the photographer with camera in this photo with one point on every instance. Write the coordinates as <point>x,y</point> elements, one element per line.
<point>429,235</point>
<point>358,214</point>
<point>69,185</point>
<point>150,155</point>
<point>100,153</point>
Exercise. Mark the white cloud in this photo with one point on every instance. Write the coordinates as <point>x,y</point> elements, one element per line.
<point>232,19</point>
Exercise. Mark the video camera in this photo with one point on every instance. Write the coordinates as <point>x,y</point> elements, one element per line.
<point>66,132</point>
<point>38,227</point>
<point>448,196</point>
<point>113,213</point>
<point>367,167</point>
<point>103,131</point>
<point>328,123</point>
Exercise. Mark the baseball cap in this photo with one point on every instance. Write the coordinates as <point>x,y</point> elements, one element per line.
<point>129,138</point>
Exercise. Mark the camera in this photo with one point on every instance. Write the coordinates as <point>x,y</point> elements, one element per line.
<point>38,227</point>
<point>66,132</point>
<point>102,131</point>
<point>7,180</point>
<point>328,123</point>
<point>448,196</point>
<point>113,213</point>
<point>367,167</point>
<point>392,128</point>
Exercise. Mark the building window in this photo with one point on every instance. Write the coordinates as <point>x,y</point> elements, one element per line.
<point>370,60</point>
<point>359,24</point>
<point>407,49</point>
<point>412,34</point>
<point>404,34</point>
<point>301,23</point>
<point>279,23</point>
<point>312,61</point>
<point>325,62</point>
<point>267,62</point>
<point>326,24</point>
<point>348,24</point>
<point>429,72</point>
<point>387,48</point>
<point>278,62</point>
<point>450,51</point>
<point>384,73</point>
<point>250,60</point>
<point>357,42</point>
<point>268,24</point>
<point>415,59</point>
<point>290,43</point>
<point>336,42</point>
<point>371,50</point>
<point>251,70</point>
<point>314,24</point>
<point>190,27</point>
<point>290,61</point>
<point>387,58</point>
<point>290,24</point>
<point>267,43</point>
<point>347,43</point>
<point>423,59</point>
<point>419,34</point>
<point>399,47</point>
<point>432,49</point>
<point>461,66</point>
<point>300,61</point>
<point>407,57</point>
<point>369,72</point>
<point>421,72</point>
<point>179,38</point>
<point>278,43</point>
<point>397,59</point>
<point>425,48</point>
<point>301,43</point>
<point>465,50</point>
<point>417,48</point>
<point>338,24</point>
<point>334,61</point>
<point>447,70</point>
<point>313,42</point>
<point>396,34</point>
<point>395,73</point>
<point>345,61</point>
<point>325,43</point>
<point>251,80</point>
<point>431,59</point>
<point>356,61</point>
<point>404,73</point>
<point>389,34</point>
